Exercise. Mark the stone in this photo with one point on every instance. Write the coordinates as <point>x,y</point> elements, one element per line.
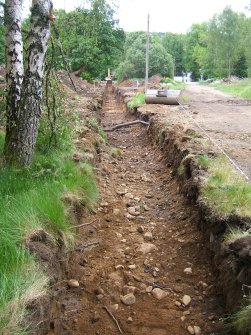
<point>129,216</point>
<point>146,248</point>
<point>129,289</point>
<point>133,211</point>
<point>188,271</point>
<point>183,318</point>
<point>177,303</point>
<point>129,320</point>
<point>132,267</point>
<point>197,330</point>
<point>148,236</point>
<point>73,283</point>
<point>104,204</point>
<point>116,211</point>
<point>140,229</point>
<point>128,299</point>
<point>186,300</point>
<point>119,267</point>
<point>114,307</point>
<point>146,208</point>
<point>149,289</point>
<point>159,294</point>
<point>128,196</point>
<point>190,330</point>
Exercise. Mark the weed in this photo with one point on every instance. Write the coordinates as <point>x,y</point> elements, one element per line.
<point>116,152</point>
<point>203,161</point>
<point>137,100</point>
<point>242,320</point>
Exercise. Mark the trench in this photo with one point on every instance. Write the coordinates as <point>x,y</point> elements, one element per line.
<point>142,264</point>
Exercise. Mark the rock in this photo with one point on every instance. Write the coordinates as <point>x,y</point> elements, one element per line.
<point>140,229</point>
<point>177,303</point>
<point>149,289</point>
<point>104,204</point>
<point>121,192</point>
<point>186,300</point>
<point>197,330</point>
<point>73,283</point>
<point>116,211</point>
<point>129,216</point>
<point>188,271</point>
<point>129,289</point>
<point>132,267</point>
<point>146,208</point>
<point>99,290</point>
<point>186,313</point>
<point>190,330</point>
<point>129,320</point>
<point>119,267</point>
<point>202,284</point>
<point>114,307</point>
<point>159,294</point>
<point>146,248</point>
<point>148,236</point>
<point>133,211</point>
<point>128,196</point>
<point>183,318</point>
<point>128,299</point>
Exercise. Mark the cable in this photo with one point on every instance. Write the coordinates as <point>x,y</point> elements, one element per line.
<point>216,144</point>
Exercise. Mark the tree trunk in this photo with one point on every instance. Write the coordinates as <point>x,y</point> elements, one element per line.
<point>22,144</point>
<point>14,64</point>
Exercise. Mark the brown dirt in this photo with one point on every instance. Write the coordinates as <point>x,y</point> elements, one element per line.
<point>225,119</point>
<point>107,261</point>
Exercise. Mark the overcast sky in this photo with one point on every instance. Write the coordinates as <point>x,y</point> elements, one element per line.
<point>165,15</point>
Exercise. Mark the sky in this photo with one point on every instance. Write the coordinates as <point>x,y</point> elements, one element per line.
<point>175,16</point>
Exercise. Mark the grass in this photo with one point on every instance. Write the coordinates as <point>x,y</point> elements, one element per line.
<point>172,84</point>
<point>239,88</point>
<point>31,200</point>
<point>224,189</point>
<point>236,233</point>
<point>242,320</point>
<point>137,100</point>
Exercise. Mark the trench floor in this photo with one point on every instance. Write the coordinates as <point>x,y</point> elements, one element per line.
<point>142,247</point>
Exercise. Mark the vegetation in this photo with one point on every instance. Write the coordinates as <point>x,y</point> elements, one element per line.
<point>242,320</point>
<point>172,84</point>
<point>133,64</point>
<point>240,88</point>
<point>224,189</point>
<point>137,100</point>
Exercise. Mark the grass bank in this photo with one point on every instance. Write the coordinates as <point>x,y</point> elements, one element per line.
<point>239,88</point>
<point>31,200</point>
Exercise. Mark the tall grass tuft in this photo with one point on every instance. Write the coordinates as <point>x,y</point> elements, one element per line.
<point>137,100</point>
<point>225,189</point>
<point>240,88</point>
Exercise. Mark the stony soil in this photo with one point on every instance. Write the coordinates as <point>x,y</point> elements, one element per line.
<point>140,265</point>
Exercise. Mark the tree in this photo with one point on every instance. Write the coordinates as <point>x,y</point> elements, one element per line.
<point>133,64</point>
<point>224,41</point>
<point>24,89</point>
<point>174,45</point>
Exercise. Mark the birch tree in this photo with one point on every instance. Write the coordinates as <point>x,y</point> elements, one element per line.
<point>25,83</point>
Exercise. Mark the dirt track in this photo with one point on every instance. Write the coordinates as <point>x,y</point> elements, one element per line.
<point>140,209</point>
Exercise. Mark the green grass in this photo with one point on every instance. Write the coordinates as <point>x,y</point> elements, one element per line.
<point>31,200</point>
<point>224,189</point>
<point>137,100</point>
<point>172,84</point>
<point>235,233</point>
<point>242,320</point>
<point>240,88</point>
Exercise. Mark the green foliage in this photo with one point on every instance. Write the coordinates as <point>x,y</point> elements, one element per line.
<point>174,44</point>
<point>133,64</point>
<point>31,200</point>
<point>225,190</point>
<point>137,100</point>
<point>240,88</point>
<point>92,41</point>
<point>242,320</point>
<point>2,42</point>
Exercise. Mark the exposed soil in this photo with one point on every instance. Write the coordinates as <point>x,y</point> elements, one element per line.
<point>139,240</point>
<point>224,118</point>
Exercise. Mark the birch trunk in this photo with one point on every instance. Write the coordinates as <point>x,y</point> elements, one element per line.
<point>22,144</point>
<point>14,64</point>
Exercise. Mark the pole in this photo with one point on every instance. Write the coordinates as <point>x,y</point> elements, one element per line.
<point>147,53</point>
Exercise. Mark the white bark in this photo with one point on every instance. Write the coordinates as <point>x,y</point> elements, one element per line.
<point>21,147</point>
<point>14,60</point>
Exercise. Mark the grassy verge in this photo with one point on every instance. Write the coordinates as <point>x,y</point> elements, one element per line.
<point>240,88</point>
<point>224,189</point>
<point>31,200</point>
<point>172,84</point>
<point>137,100</point>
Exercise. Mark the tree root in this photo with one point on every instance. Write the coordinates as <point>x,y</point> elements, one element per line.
<point>126,124</point>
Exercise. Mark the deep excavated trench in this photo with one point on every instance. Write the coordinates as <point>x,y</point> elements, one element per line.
<point>147,269</point>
